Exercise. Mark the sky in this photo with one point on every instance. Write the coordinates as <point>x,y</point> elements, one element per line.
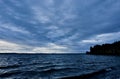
<point>57,26</point>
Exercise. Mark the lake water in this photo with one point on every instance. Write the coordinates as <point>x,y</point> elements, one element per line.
<point>52,66</point>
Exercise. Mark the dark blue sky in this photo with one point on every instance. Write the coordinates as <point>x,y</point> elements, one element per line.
<point>53,26</point>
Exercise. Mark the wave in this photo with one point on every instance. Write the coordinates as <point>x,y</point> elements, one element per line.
<point>57,69</point>
<point>32,72</point>
<point>50,70</point>
<point>19,72</point>
<point>17,65</point>
<point>7,74</point>
<point>89,75</point>
<point>9,66</point>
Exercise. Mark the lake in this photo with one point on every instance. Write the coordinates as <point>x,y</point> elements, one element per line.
<point>56,66</point>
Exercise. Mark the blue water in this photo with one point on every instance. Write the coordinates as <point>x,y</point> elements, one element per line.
<point>52,66</point>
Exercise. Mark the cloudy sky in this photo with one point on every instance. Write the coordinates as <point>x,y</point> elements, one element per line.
<point>57,26</point>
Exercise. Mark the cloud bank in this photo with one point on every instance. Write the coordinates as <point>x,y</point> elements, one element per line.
<point>57,26</point>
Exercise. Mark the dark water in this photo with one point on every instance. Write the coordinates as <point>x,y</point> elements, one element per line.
<point>40,66</point>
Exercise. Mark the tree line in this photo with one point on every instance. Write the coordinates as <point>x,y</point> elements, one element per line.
<point>106,49</point>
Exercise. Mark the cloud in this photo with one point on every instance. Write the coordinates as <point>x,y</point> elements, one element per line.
<point>75,24</point>
<point>12,27</point>
<point>41,16</point>
<point>51,48</point>
<point>103,38</point>
<point>99,39</point>
<point>8,47</point>
<point>57,32</point>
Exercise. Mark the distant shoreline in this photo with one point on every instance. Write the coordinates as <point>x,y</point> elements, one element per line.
<point>46,53</point>
<point>105,49</point>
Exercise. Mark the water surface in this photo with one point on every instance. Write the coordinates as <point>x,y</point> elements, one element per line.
<point>52,66</point>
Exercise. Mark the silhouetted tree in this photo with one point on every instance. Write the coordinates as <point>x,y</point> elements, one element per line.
<point>106,49</point>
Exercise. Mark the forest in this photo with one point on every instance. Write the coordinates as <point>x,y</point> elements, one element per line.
<point>106,49</point>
